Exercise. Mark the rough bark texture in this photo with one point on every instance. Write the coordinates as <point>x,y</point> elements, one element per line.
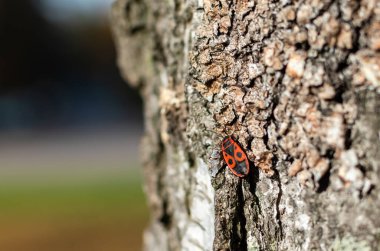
<point>296,82</point>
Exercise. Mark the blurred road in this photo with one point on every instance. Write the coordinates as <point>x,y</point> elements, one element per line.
<point>60,150</point>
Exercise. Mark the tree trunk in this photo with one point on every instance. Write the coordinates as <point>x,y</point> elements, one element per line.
<point>297,85</point>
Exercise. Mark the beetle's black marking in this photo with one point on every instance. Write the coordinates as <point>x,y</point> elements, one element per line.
<point>227,143</point>
<point>230,150</point>
<point>230,161</point>
<point>239,154</point>
<point>241,168</point>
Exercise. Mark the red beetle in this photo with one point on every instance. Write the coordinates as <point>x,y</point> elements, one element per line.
<point>235,157</point>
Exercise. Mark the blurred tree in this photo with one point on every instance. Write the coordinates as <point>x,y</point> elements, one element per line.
<point>53,74</point>
<point>296,82</point>
<point>30,48</point>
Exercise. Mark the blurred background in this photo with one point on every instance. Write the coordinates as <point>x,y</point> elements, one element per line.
<point>69,131</point>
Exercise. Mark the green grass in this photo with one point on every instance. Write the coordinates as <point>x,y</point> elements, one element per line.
<point>64,196</point>
<point>87,211</point>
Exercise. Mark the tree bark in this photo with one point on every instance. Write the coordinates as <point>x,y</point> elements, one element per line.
<point>297,83</point>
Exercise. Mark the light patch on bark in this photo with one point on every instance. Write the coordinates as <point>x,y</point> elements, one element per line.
<point>349,243</point>
<point>155,239</point>
<point>200,232</point>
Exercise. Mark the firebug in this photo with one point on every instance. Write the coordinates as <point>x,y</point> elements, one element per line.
<point>235,157</point>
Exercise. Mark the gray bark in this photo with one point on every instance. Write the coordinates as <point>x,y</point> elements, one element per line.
<point>297,83</point>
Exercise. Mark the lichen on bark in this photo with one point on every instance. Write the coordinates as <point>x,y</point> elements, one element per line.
<point>296,82</point>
